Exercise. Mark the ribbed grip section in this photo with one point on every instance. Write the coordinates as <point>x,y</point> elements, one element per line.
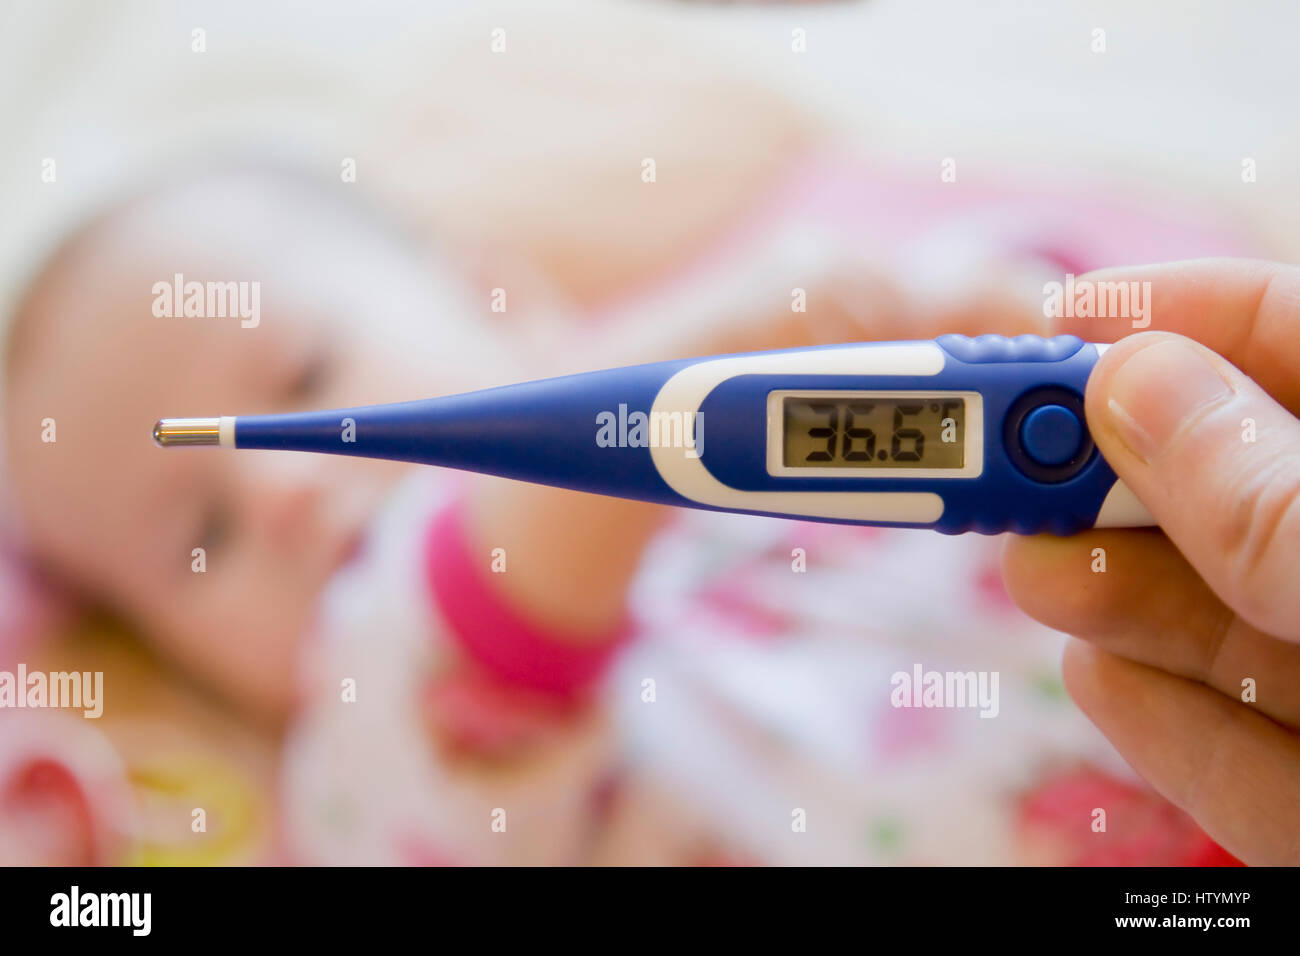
<point>987,349</point>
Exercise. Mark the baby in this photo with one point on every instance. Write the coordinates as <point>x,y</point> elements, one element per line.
<point>437,711</point>
<point>220,560</point>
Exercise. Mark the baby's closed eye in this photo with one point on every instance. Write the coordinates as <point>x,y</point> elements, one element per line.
<point>310,377</point>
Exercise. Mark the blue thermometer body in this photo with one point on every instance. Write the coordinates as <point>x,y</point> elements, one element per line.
<point>957,434</point>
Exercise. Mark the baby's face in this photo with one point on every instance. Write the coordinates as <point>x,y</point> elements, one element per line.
<point>105,506</point>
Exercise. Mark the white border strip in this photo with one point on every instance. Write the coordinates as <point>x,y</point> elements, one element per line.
<point>686,391</point>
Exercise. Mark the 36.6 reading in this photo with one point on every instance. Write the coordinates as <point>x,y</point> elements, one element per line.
<point>829,431</point>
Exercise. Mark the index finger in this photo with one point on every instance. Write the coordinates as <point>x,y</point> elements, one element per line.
<point>1246,310</point>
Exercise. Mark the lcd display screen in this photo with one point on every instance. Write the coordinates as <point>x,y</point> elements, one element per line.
<point>839,431</point>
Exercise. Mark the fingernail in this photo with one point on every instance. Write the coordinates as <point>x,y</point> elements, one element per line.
<point>1157,390</point>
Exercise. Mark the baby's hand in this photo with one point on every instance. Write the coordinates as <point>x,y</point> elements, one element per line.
<point>1192,660</point>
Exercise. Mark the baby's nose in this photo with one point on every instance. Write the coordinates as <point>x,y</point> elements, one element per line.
<point>286,495</point>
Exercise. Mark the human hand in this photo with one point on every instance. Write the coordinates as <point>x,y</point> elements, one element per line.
<point>1188,649</point>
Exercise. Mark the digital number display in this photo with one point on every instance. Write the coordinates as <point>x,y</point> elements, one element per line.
<point>912,431</point>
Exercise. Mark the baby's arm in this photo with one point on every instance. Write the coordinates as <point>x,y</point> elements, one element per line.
<point>438,725</point>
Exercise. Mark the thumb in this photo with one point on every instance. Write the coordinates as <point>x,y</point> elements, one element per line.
<point>1215,460</point>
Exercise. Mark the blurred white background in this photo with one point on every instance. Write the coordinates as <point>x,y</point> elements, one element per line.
<point>1183,92</point>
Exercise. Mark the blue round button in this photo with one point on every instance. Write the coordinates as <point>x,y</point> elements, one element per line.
<point>1051,435</point>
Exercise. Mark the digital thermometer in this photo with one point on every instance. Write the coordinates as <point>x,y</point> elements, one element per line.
<point>957,434</point>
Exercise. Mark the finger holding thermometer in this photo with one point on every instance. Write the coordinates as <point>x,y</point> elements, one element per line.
<point>957,434</point>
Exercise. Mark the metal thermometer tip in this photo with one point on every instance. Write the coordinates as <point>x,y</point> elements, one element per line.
<point>187,431</point>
